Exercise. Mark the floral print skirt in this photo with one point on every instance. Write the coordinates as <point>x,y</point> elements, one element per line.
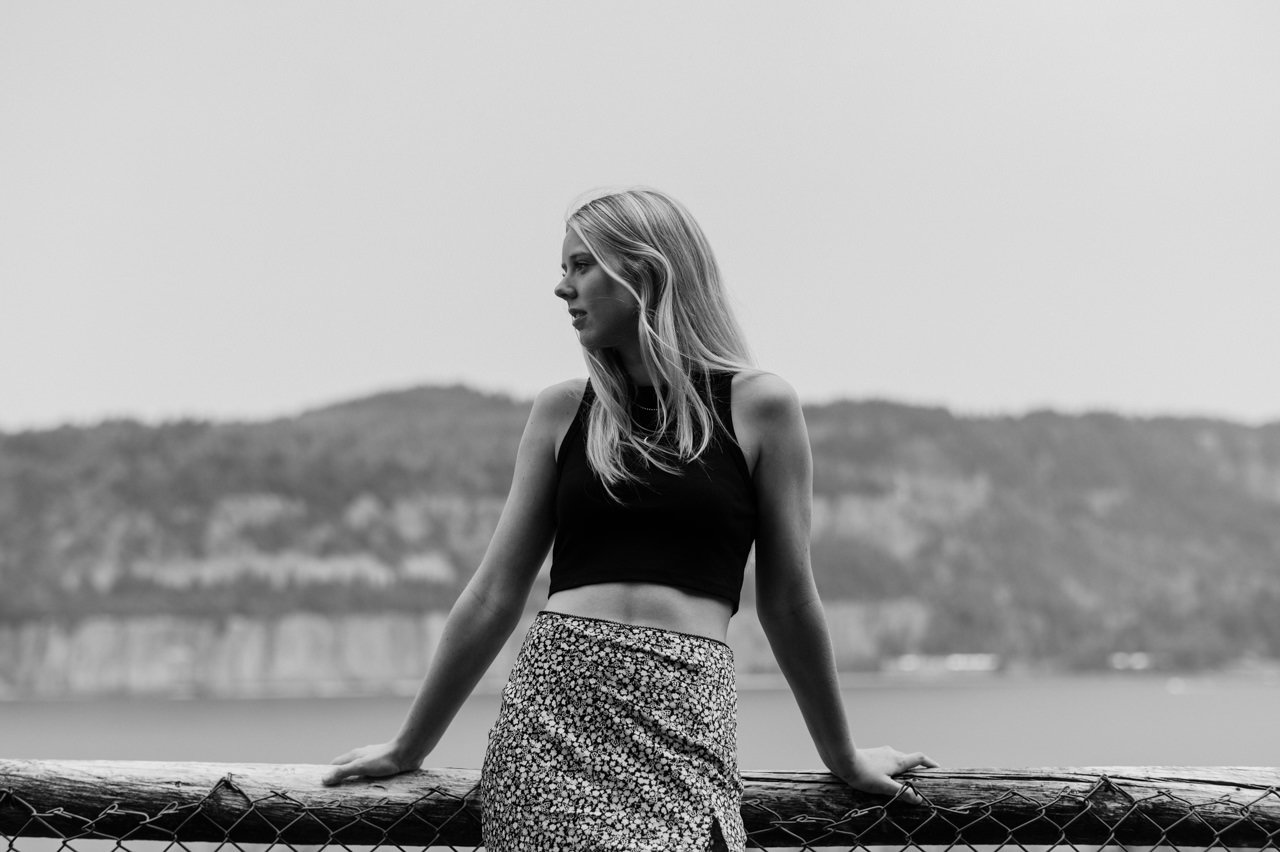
<point>614,737</point>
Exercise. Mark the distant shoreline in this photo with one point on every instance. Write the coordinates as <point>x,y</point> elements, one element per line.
<point>747,683</point>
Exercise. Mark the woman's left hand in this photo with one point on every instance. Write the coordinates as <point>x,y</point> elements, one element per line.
<point>873,768</point>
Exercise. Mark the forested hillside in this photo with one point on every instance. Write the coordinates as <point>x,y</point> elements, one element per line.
<point>1046,539</point>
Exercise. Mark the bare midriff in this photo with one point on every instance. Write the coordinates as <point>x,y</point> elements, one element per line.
<point>647,605</point>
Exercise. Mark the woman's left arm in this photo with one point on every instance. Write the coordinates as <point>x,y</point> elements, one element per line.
<point>787,599</point>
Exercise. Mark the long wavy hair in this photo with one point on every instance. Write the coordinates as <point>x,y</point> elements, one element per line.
<point>649,243</point>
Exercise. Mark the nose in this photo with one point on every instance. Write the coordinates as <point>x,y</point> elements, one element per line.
<point>564,290</point>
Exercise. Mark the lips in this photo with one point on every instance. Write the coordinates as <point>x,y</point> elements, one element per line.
<point>577,315</point>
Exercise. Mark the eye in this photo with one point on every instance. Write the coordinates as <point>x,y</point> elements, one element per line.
<point>581,265</point>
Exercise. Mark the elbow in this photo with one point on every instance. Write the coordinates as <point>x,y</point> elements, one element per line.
<point>771,620</point>
<point>777,610</point>
<point>502,609</point>
<point>772,614</point>
<point>493,602</point>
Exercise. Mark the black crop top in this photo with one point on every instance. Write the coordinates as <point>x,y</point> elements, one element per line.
<point>692,529</point>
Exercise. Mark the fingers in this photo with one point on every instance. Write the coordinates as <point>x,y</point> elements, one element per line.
<point>339,774</point>
<point>895,790</point>
<point>916,759</point>
<point>879,764</point>
<point>346,765</point>
<point>376,761</point>
<point>905,793</point>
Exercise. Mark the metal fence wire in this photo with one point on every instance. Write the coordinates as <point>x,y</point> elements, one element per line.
<point>93,805</point>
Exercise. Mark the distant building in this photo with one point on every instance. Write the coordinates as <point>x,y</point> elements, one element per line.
<point>941,664</point>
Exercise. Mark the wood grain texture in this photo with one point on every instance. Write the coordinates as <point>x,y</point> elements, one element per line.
<point>265,803</point>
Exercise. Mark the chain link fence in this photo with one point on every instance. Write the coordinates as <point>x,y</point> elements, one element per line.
<point>88,806</point>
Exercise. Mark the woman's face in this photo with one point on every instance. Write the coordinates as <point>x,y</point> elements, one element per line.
<point>603,311</point>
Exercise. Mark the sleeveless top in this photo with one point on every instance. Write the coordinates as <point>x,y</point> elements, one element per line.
<point>692,529</point>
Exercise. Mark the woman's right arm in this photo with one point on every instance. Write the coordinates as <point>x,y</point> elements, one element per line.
<point>490,606</point>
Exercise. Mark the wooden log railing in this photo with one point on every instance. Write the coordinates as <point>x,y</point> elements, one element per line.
<point>1236,807</point>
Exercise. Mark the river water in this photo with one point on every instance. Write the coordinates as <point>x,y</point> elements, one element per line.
<point>981,721</point>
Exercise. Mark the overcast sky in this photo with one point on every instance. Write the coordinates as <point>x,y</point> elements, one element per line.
<point>247,209</point>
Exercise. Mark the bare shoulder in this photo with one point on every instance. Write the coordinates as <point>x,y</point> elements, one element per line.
<point>763,398</point>
<point>766,413</point>
<point>561,396</point>
<point>554,409</point>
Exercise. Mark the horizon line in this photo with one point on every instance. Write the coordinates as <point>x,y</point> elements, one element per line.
<point>958,411</point>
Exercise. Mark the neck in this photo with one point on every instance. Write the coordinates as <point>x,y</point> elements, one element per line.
<point>633,364</point>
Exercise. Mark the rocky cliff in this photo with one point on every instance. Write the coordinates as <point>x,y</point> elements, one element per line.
<point>320,553</point>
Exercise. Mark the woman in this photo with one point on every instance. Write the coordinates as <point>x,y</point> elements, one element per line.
<point>651,481</point>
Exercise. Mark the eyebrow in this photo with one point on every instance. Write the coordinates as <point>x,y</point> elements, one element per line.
<point>578,256</point>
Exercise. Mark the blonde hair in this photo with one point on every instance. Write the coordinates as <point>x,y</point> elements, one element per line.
<point>651,245</point>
